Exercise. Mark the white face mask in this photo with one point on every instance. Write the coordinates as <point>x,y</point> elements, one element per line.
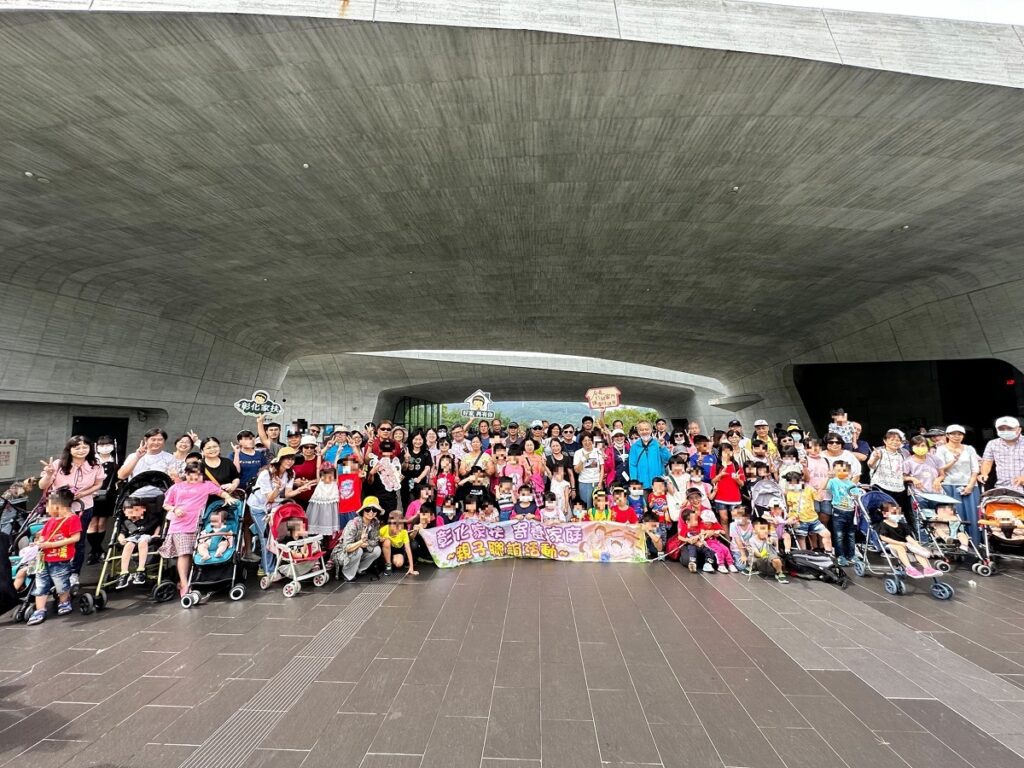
<point>104,449</point>
<point>1007,434</point>
<point>526,499</point>
<point>636,494</point>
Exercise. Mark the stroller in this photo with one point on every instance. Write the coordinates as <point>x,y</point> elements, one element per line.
<point>299,560</point>
<point>1001,519</point>
<point>218,570</point>
<point>946,545</point>
<point>762,494</point>
<point>110,568</point>
<point>24,531</point>
<point>868,518</point>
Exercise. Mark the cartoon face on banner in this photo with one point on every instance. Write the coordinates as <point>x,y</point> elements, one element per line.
<point>259,404</point>
<point>478,406</point>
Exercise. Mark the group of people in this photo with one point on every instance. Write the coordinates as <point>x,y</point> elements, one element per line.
<point>371,491</point>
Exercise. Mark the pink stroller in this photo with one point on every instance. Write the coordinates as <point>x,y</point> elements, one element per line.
<point>297,559</point>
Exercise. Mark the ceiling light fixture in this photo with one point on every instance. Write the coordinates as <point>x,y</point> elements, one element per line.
<point>42,180</point>
<point>735,189</point>
<point>29,174</point>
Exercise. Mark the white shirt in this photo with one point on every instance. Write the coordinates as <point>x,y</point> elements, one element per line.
<point>960,473</point>
<point>153,462</point>
<point>591,461</point>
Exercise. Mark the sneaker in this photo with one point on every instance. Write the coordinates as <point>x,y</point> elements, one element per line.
<point>929,571</point>
<point>37,617</point>
<point>139,579</point>
<point>122,581</point>
<point>64,608</point>
<point>387,569</point>
<point>722,569</point>
<point>73,578</point>
<point>693,567</point>
<point>260,572</point>
<point>781,578</point>
<point>251,557</point>
<point>843,562</point>
<point>708,568</point>
<point>733,569</point>
<point>913,573</point>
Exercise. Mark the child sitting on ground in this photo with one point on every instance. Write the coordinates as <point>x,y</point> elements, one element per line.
<point>489,512</point>
<point>690,543</point>
<point>525,508</point>
<point>763,552</point>
<point>134,531</point>
<point>394,541</point>
<point>715,540</point>
<point>216,535</point>
<point>57,542</point>
<point>740,531</point>
<point>448,513</point>
<point>655,543</point>
<point>896,534</point>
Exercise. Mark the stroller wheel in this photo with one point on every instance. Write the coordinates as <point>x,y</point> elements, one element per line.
<point>892,586</point>
<point>291,589</point>
<point>941,590</point>
<point>265,582</point>
<point>943,566</point>
<point>164,591</point>
<point>984,569</point>
<point>859,567</point>
<point>187,601</point>
<point>974,567</point>
<point>21,613</point>
<point>101,599</point>
<point>237,592</point>
<point>321,578</point>
<point>86,604</point>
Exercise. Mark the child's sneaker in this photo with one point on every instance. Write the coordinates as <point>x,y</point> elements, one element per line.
<point>37,617</point>
<point>139,579</point>
<point>722,569</point>
<point>387,569</point>
<point>708,568</point>
<point>733,569</point>
<point>122,581</point>
<point>64,608</point>
<point>913,573</point>
<point>692,566</point>
<point>73,578</point>
<point>781,578</point>
<point>929,571</point>
<point>843,562</point>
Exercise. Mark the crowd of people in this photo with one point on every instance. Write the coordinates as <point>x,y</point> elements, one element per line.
<point>372,490</point>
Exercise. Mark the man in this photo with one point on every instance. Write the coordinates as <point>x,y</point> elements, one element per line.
<point>647,457</point>
<point>460,445</point>
<point>661,431</point>
<point>513,437</point>
<point>537,430</point>
<point>569,442</point>
<point>1006,453</point>
<point>841,426</point>
<point>270,437</point>
<point>360,545</point>
<point>382,432</point>
<point>736,425</point>
<point>860,448</point>
<point>586,428</point>
<point>762,433</point>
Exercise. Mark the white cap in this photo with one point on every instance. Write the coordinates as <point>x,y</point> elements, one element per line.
<point>895,431</point>
<point>956,428</point>
<point>307,440</point>
<point>1006,421</point>
<point>536,423</point>
<point>617,432</point>
<point>760,423</point>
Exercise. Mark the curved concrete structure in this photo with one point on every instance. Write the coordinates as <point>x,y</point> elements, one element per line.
<point>687,208</point>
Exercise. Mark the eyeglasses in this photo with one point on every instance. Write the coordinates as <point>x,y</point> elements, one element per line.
<point>834,442</point>
<point>384,429</point>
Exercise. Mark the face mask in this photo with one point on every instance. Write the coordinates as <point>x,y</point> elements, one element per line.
<point>896,518</point>
<point>796,486</point>
<point>920,450</point>
<point>842,475</point>
<point>798,436</point>
<point>679,441</point>
<point>645,438</point>
<point>636,494</point>
<point>526,499</point>
<point>1007,434</point>
<point>104,449</point>
<point>549,505</point>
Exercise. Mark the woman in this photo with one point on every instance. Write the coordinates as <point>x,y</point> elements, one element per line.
<point>559,458</point>
<point>554,433</point>
<point>357,442</point>
<point>416,465</point>
<point>727,482</point>
<point>617,463</point>
<point>484,430</point>
<point>961,464</point>
<point>475,457</point>
<point>78,470</point>
<point>692,430</point>
<point>306,470</point>
<point>834,452</point>
<point>103,500</point>
<point>588,464</point>
<point>677,443</point>
<point>216,468</point>
<point>886,467</point>
<point>536,466</point>
<point>431,442</point>
<point>274,485</point>
<point>183,446</point>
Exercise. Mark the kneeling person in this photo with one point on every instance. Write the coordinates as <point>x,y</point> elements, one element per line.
<point>394,539</point>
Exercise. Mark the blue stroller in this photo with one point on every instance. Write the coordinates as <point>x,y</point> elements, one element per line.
<point>869,517</point>
<point>211,570</point>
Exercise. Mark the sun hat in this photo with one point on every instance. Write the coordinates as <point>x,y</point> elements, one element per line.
<point>287,453</point>
<point>371,502</point>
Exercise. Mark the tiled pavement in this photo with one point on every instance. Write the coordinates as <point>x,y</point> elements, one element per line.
<point>523,664</point>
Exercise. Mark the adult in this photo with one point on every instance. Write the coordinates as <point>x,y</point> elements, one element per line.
<point>274,485</point>
<point>886,466</point>
<point>537,433</point>
<point>360,542</point>
<point>483,431</point>
<point>103,499</point>
<point>183,448</point>
<point>307,471</point>
<point>476,456</point>
<point>77,470</point>
<point>586,427</point>
<point>763,432</point>
<point>430,438</point>
<point>661,431</point>
<point>385,475</point>
<point>554,433</point>
<point>617,462</point>
<point>376,435</point>
<point>961,464</point>
<point>150,456</point>
<point>692,430</point>
<point>416,465</point>
<point>841,426</point>
<point>400,438</point>
<point>557,457</point>
<point>858,446</point>
<point>588,465</point>
<point>270,437</point>
<point>246,459</point>
<point>570,443</point>
<point>339,447</point>
<point>834,451</point>
<point>460,445</point>
<point>1006,454</point>
<point>216,468</point>
<point>513,437</point>
<point>536,466</point>
<point>647,458</point>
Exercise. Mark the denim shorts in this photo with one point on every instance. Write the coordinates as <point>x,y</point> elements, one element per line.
<point>53,575</point>
<point>814,526</point>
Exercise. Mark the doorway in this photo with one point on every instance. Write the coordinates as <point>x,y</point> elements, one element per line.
<point>94,427</point>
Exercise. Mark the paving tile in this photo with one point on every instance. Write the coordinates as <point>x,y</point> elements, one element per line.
<point>37,725</point>
<point>875,711</point>
<point>490,762</point>
<point>302,725</point>
<point>570,744</point>
<point>971,743</point>
<point>514,724</point>
<point>604,666</point>
<point>378,686</point>
<point>978,654</point>
<point>801,747</point>
<point>563,691</point>
<point>854,742</point>
<point>390,761</point>
<point>785,673</point>
<point>764,702</point>
<point>435,662</point>
<point>922,750</point>
<point>523,624</point>
<point>734,734</point>
<point>344,741</point>
<point>351,662</point>
<point>685,746</point>
<point>95,722</point>
<point>661,696</point>
<point>195,724</point>
<point>622,731</point>
<point>274,758</point>
<point>518,665</point>
<point>409,722</point>
<point>469,691</point>
<point>482,641</point>
<point>455,742</point>
<point>807,652</point>
<point>405,642</point>
<point>53,754</point>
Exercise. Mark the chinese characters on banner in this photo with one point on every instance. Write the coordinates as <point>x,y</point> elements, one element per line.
<point>470,541</point>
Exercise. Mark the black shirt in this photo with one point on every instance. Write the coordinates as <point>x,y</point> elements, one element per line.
<point>480,493</point>
<point>899,532</point>
<point>565,460</point>
<point>222,474</point>
<point>416,463</point>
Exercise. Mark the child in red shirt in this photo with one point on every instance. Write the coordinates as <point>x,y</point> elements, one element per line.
<point>57,543</point>
<point>444,480</point>
<point>622,510</point>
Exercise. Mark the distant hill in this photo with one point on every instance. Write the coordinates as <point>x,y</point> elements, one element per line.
<point>526,411</point>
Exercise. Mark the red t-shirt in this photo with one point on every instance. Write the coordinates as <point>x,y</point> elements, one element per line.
<point>57,528</point>
<point>729,485</point>
<point>627,515</point>
<point>350,492</point>
<point>305,471</point>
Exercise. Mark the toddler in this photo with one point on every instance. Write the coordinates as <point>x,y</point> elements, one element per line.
<point>715,540</point>
<point>740,531</point>
<point>525,508</point>
<point>322,511</point>
<point>57,541</point>
<point>622,510</point>
<point>894,531</point>
<point>216,536</point>
<point>133,531</point>
<point>560,488</point>
<point>600,512</point>
<point>551,512</point>
<point>636,498</point>
<point>947,526</point>
<point>763,553</point>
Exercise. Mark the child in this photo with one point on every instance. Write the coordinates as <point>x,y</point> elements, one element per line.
<point>57,543</point>
<point>690,543</point>
<point>636,498</point>
<point>394,540</point>
<point>579,512</point>
<point>657,502</point>
<point>600,512</point>
<point>622,509</point>
<point>444,479</point>
<point>216,535</point>
<point>505,498</point>
<point>295,530</point>
<point>839,490</point>
<point>560,487</point>
<point>322,511</point>
<point>424,496</point>
<point>449,512</point>
<point>525,508</point>
<point>740,531</point>
<point>704,459</point>
<point>818,474</point>
<point>489,512</point>
<point>134,531</point>
<point>185,502</point>
<point>715,540</point>
<point>425,521</point>
<point>802,515</point>
<point>655,543</point>
<point>894,531</point>
<point>551,512</point>
<point>470,509</point>
<point>515,467</point>
<point>763,552</point>
<point>350,489</point>
<point>947,525</point>
<point>28,563</point>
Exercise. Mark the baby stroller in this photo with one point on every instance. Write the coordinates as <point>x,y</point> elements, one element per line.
<point>946,545</point>
<point>110,568</point>
<point>24,534</point>
<point>763,494</point>
<point>298,561</point>
<point>1001,519</point>
<point>217,571</point>
<point>868,518</point>
<point>812,564</point>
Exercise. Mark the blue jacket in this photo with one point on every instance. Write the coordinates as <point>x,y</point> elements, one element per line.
<point>647,462</point>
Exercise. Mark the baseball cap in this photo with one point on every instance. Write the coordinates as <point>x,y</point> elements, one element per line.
<point>956,428</point>
<point>760,423</point>
<point>294,433</point>
<point>1007,421</point>
<point>536,424</point>
<point>513,424</point>
<point>735,423</point>
<point>307,440</point>
<point>935,432</point>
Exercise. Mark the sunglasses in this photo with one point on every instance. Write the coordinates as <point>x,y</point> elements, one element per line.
<point>833,442</point>
<point>384,429</point>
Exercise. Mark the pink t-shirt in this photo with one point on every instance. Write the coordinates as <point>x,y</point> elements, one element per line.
<point>192,498</point>
<point>78,479</point>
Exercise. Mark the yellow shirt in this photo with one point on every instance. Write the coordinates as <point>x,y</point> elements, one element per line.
<point>398,540</point>
<point>801,504</point>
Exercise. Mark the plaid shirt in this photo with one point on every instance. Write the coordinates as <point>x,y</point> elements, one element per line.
<point>1009,460</point>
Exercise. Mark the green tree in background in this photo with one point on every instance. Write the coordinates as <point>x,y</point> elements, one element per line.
<point>629,416</point>
<point>451,417</point>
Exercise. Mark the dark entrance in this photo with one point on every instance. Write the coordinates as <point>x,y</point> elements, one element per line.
<point>97,426</point>
<point>908,395</point>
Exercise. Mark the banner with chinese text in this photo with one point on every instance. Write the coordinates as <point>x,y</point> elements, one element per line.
<point>470,541</point>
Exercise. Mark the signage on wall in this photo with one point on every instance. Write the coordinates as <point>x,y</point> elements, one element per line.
<point>8,457</point>
<point>259,404</point>
<point>601,398</point>
<point>478,406</point>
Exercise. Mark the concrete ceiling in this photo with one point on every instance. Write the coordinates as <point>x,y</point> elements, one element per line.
<point>490,189</point>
